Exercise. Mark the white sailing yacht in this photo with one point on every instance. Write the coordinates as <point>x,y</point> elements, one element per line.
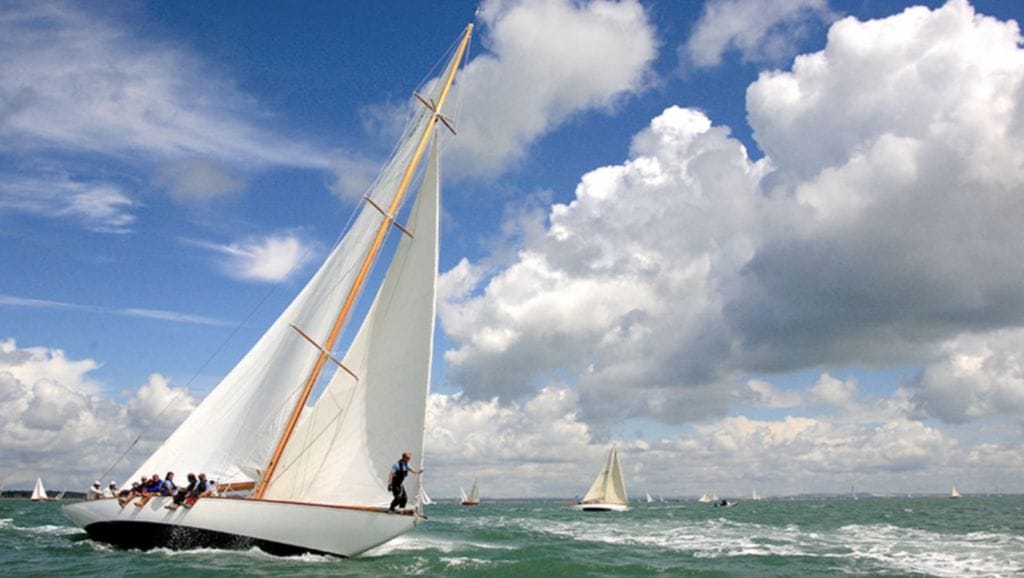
<point>648,499</point>
<point>707,498</point>
<point>954,494</point>
<point>608,492</point>
<point>473,497</point>
<point>317,468</point>
<point>39,492</point>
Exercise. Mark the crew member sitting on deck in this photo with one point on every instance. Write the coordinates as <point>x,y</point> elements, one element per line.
<point>168,488</point>
<point>95,492</point>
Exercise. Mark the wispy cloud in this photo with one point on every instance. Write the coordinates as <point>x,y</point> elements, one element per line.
<point>270,258</point>
<point>14,301</point>
<point>99,206</point>
<point>761,30</point>
<point>86,82</point>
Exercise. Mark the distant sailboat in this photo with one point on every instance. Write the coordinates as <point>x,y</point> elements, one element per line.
<point>60,496</point>
<point>39,492</point>
<point>608,493</point>
<point>953,494</point>
<point>649,499</point>
<point>316,465</point>
<point>708,498</point>
<point>473,497</point>
<point>754,496</point>
<point>424,498</point>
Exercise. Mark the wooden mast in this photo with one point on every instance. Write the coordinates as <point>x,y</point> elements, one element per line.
<point>364,270</point>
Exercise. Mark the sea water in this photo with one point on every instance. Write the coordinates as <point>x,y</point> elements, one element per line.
<point>973,536</point>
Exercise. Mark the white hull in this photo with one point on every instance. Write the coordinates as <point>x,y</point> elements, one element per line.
<point>597,507</point>
<point>277,527</point>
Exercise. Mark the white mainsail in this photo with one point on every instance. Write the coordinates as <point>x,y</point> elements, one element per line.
<point>258,426</point>
<point>608,490</point>
<point>230,436</point>
<point>954,493</point>
<point>39,492</point>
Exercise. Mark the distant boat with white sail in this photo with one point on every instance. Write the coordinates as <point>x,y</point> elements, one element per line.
<point>39,492</point>
<point>954,494</point>
<point>473,497</point>
<point>608,492</point>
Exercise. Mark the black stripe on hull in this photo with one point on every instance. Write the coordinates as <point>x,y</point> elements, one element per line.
<point>148,535</point>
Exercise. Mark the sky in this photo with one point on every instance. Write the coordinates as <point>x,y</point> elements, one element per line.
<point>755,244</point>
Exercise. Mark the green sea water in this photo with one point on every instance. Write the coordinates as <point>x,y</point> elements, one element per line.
<point>973,536</point>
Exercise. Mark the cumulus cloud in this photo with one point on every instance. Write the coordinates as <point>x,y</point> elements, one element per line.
<point>541,447</point>
<point>264,259</point>
<point>831,391</point>
<point>975,376</point>
<point>55,424</point>
<point>883,221</point>
<point>761,30</point>
<point>546,61</point>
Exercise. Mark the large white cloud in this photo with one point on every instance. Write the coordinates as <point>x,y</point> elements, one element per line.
<point>541,447</point>
<point>883,221</point>
<point>55,423</point>
<point>975,376</point>
<point>546,61</point>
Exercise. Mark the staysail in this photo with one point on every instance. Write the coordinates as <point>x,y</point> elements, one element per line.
<point>608,488</point>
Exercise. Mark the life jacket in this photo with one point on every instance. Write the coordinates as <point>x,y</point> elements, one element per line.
<point>398,476</point>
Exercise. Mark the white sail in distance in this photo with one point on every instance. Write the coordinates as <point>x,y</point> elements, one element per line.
<point>609,487</point>
<point>39,492</point>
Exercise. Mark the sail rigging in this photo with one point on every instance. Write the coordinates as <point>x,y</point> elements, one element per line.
<point>318,466</point>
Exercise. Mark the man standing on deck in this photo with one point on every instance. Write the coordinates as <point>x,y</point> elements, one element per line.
<point>395,479</point>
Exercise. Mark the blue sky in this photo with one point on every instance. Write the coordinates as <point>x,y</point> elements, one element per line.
<point>770,244</point>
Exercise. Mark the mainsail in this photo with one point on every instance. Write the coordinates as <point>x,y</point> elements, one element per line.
<point>340,450</point>
<point>608,488</point>
<point>318,464</point>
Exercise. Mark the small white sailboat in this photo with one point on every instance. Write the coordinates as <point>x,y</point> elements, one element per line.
<point>648,499</point>
<point>754,496</point>
<point>954,494</point>
<point>317,466</point>
<point>39,492</point>
<point>608,492</point>
<point>473,497</point>
<point>424,498</point>
<point>707,498</point>
<point>60,496</point>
